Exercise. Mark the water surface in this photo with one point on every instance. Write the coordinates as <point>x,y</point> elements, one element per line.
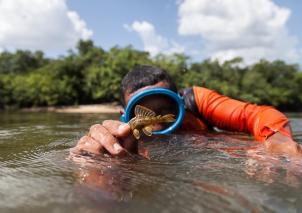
<point>185,173</point>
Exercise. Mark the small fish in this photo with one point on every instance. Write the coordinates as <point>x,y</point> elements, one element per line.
<point>145,118</point>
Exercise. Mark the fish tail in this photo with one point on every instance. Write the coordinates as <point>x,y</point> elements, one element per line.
<point>168,118</point>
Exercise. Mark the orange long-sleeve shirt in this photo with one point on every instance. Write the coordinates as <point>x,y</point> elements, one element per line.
<point>225,113</point>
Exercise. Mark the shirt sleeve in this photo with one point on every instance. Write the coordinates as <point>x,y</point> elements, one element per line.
<point>229,114</point>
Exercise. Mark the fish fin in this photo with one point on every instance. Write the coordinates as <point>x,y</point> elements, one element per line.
<point>147,130</point>
<point>168,118</point>
<point>136,134</point>
<point>141,111</point>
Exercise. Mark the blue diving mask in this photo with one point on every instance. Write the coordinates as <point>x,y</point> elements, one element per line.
<point>176,98</point>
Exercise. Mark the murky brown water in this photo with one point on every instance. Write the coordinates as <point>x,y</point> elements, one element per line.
<point>185,173</point>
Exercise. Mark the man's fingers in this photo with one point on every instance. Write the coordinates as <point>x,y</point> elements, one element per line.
<point>123,132</point>
<point>87,144</point>
<point>117,128</point>
<point>106,139</point>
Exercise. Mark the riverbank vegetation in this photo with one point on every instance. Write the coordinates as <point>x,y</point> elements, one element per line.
<point>91,75</point>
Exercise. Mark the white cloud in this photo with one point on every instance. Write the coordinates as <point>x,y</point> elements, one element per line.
<point>39,24</point>
<point>153,42</point>
<point>252,29</point>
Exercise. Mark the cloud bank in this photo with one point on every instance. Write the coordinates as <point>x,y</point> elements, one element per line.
<point>40,25</point>
<point>152,41</point>
<point>252,29</point>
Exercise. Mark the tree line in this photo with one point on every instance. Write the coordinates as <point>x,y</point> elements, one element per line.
<point>90,74</point>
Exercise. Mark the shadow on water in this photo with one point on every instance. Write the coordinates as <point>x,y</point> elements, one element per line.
<point>185,173</point>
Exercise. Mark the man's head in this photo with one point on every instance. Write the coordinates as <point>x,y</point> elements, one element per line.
<point>144,76</point>
<point>141,87</point>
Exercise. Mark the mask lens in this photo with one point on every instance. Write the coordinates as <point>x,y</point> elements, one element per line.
<point>160,104</point>
<point>163,102</point>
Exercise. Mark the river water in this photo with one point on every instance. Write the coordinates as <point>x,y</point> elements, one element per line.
<point>185,173</point>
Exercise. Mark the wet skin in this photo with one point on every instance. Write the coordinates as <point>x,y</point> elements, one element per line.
<point>116,138</point>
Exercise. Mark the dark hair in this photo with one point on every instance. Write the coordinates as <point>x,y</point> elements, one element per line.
<point>144,75</point>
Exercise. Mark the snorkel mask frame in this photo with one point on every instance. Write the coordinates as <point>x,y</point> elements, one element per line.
<point>157,91</point>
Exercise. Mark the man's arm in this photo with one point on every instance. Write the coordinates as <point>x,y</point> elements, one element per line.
<point>264,122</point>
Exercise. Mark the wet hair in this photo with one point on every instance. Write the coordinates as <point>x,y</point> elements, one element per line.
<point>141,76</point>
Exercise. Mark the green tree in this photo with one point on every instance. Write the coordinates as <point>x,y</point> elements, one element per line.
<point>102,81</point>
<point>273,83</point>
<point>85,46</point>
<point>21,61</point>
<point>224,78</point>
<point>176,65</point>
<point>92,75</point>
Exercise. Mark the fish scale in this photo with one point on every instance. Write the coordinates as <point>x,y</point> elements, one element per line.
<point>145,118</point>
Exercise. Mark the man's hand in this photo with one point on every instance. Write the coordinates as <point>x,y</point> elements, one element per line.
<point>282,144</point>
<point>112,136</point>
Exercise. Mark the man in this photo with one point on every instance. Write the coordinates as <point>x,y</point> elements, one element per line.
<point>204,109</point>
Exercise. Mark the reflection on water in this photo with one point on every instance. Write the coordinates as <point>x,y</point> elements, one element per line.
<point>185,173</point>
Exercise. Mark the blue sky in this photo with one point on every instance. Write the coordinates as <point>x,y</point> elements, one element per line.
<point>294,22</point>
<point>107,18</point>
<point>202,29</point>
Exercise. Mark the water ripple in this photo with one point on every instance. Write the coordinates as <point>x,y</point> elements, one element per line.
<point>185,173</point>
